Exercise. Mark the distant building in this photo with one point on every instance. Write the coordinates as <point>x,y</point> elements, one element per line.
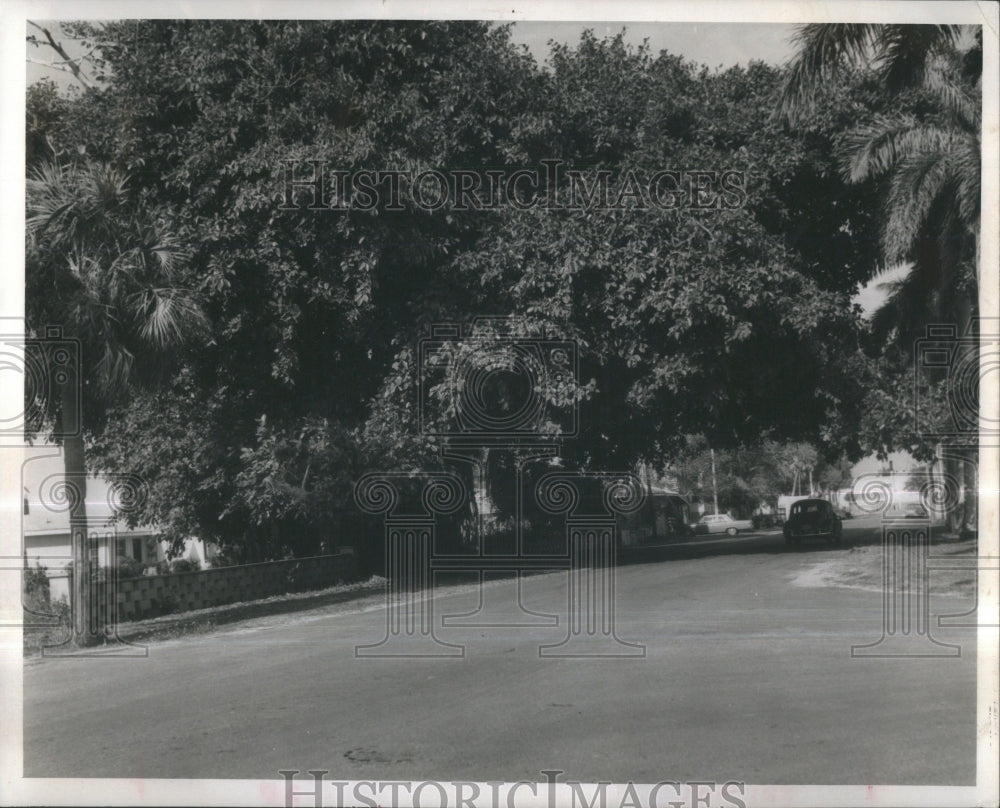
<point>45,528</point>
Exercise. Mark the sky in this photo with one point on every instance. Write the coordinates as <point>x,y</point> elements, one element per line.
<point>712,44</point>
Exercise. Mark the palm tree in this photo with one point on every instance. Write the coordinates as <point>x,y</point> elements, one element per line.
<point>931,165</point>
<point>109,276</point>
<point>901,55</point>
<point>932,204</point>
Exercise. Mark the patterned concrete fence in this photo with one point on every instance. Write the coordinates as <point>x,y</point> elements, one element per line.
<point>154,595</point>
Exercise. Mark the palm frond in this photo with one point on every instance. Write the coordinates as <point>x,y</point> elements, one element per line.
<point>917,184</point>
<point>878,147</point>
<point>959,103</point>
<point>114,368</point>
<point>968,171</point>
<point>822,50</point>
<point>904,52</point>
<point>910,303</point>
<point>167,317</point>
<point>120,268</point>
<point>105,189</point>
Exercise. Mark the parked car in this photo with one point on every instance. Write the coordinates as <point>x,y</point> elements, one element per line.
<point>813,519</point>
<point>721,523</point>
<point>915,511</point>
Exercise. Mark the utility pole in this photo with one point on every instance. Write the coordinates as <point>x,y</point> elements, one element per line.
<point>715,489</point>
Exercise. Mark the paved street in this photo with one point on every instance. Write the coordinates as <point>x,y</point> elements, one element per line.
<point>747,676</point>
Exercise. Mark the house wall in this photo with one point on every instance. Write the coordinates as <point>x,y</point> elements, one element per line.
<point>52,552</point>
<point>154,595</point>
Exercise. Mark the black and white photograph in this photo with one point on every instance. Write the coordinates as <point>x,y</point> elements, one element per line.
<point>451,404</point>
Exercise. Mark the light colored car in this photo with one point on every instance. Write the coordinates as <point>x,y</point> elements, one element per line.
<point>721,523</point>
<point>915,511</point>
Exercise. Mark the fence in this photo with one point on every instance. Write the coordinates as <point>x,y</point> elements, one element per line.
<point>154,595</point>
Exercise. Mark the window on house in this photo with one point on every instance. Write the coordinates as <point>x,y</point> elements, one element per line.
<point>137,549</point>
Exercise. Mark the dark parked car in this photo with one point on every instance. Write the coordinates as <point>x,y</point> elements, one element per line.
<point>812,519</point>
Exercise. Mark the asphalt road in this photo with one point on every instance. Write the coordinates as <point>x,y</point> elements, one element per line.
<point>746,676</point>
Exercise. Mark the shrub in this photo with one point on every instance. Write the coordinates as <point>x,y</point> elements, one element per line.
<point>36,585</point>
<point>45,624</point>
<point>129,567</point>
<point>184,565</point>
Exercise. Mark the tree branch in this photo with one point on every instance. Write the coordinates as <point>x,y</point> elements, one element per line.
<point>68,61</point>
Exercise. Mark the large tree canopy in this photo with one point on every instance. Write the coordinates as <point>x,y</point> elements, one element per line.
<point>726,314</point>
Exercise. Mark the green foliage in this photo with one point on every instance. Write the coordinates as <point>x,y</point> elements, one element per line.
<point>129,567</point>
<point>166,567</point>
<point>184,565</point>
<point>46,118</point>
<point>753,475</point>
<point>731,323</point>
<point>35,585</point>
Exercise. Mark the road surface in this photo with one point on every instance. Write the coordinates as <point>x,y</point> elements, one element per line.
<point>746,676</point>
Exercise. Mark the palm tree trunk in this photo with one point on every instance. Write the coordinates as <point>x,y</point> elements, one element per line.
<point>84,615</point>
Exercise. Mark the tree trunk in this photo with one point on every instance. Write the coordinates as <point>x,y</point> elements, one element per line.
<point>85,628</point>
<point>715,489</point>
<point>964,457</point>
<point>968,520</point>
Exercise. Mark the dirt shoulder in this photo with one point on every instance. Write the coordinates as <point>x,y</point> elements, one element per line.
<point>272,611</point>
<point>355,595</point>
<point>861,568</point>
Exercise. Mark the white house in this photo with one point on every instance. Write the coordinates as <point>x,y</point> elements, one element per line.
<point>45,528</point>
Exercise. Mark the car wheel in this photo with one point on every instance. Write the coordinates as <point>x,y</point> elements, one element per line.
<point>731,531</point>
